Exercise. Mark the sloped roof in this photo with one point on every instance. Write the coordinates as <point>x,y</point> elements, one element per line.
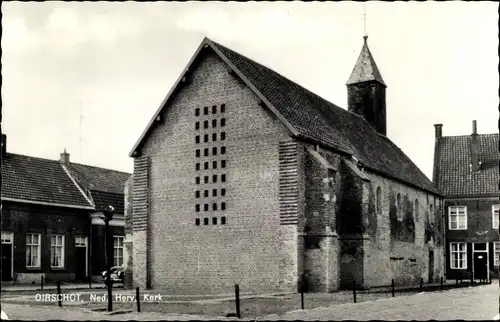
<point>452,166</point>
<point>105,185</point>
<point>311,117</point>
<point>39,180</point>
<point>365,69</point>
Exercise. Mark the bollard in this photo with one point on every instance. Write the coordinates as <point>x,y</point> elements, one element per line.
<point>441,283</point>
<point>457,281</point>
<point>354,290</point>
<point>392,282</point>
<point>138,299</point>
<point>59,303</point>
<point>421,284</point>
<point>471,280</point>
<point>237,294</point>
<point>302,295</point>
<point>41,283</point>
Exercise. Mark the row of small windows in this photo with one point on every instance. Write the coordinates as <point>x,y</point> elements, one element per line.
<point>214,124</point>
<point>206,137</point>
<point>206,221</point>
<point>206,165</point>
<point>206,151</point>
<point>206,207</point>
<point>206,110</point>
<point>206,179</point>
<point>399,205</point>
<point>206,193</point>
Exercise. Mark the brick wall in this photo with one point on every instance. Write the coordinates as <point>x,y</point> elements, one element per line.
<point>252,248</point>
<point>128,241</point>
<point>403,256</point>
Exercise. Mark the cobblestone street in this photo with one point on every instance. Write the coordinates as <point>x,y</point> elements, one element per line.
<point>473,303</point>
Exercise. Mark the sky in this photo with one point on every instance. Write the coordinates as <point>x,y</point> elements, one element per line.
<point>88,76</point>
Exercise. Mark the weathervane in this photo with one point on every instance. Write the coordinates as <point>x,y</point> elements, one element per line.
<point>364,19</point>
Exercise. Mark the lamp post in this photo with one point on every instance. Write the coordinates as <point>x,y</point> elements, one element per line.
<point>108,216</point>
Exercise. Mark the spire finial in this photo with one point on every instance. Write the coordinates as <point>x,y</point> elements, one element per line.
<point>365,37</point>
<point>64,150</point>
<point>364,21</point>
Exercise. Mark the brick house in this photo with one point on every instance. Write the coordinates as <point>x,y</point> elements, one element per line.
<point>244,177</point>
<point>50,225</point>
<point>466,170</point>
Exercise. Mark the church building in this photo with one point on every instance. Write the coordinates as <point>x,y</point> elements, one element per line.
<point>244,177</point>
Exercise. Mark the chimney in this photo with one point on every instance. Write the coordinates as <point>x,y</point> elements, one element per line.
<point>474,148</point>
<point>4,145</point>
<point>438,129</point>
<point>64,158</point>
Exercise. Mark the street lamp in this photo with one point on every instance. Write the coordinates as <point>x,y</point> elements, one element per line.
<point>108,216</point>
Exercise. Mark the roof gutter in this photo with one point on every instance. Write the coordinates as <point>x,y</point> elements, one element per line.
<point>46,203</point>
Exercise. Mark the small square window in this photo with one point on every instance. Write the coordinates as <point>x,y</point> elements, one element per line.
<point>222,136</point>
<point>222,150</point>
<point>223,108</point>
<point>223,163</point>
<point>197,194</point>
<point>214,221</point>
<point>214,109</point>
<point>197,167</point>
<point>214,206</point>
<point>223,178</point>
<point>223,206</point>
<point>197,208</point>
<point>205,221</point>
<point>206,179</point>
<point>205,207</point>
<point>197,112</point>
<point>197,180</point>
<point>214,136</point>
<point>214,192</point>
<point>197,139</point>
<point>214,164</point>
<point>222,220</point>
<point>205,193</point>
<point>206,165</point>
<point>214,178</point>
<point>198,153</point>
<point>214,150</point>
<point>222,122</point>
<point>205,152</point>
<point>205,138</point>
<point>205,125</point>
<point>205,110</point>
<point>197,221</point>
<point>197,125</point>
<point>223,192</point>
<point>214,123</point>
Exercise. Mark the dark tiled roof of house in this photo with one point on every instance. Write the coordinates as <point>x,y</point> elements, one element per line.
<point>39,180</point>
<point>453,171</point>
<point>317,119</point>
<point>106,186</point>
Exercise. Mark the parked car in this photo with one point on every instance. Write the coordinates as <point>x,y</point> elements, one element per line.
<point>116,274</point>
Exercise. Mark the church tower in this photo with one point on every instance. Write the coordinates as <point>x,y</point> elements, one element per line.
<point>366,91</point>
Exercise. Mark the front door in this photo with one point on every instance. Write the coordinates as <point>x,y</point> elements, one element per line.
<point>81,263</point>
<point>431,266</point>
<point>480,266</point>
<point>6,262</point>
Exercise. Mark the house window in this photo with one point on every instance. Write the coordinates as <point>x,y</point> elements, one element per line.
<point>205,165</point>
<point>197,139</point>
<point>197,221</point>
<point>205,138</point>
<point>205,125</point>
<point>197,180</point>
<point>223,178</point>
<point>198,194</point>
<point>197,125</point>
<point>198,153</point>
<point>223,220</point>
<point>118,251</point>
<point>80,241</point>
<point>205,207</point>
<point>417,210</point>
<point>214,109</point>
<point>223,150</point>
<point>197,112</point>
<point>205,221</point>
<point>495,211</point>
<point>223,108</point>
<point>33,250</point>
<point>214,206</point>
<point>214,150</point>
<point>457,217</point>
<point>214,221</point>
<point>214,178</point>
<point>205,179</point>
<point>223,192</point>
<point>205,110</point>
<point>214,136</point>
<point>214,192</point>
<point>57,251</point>
<point>458,256</point>
<point>214,164</point>
<point>197,208</point>
<point>205,193</point>
<point>378,202</point>
<point>222,136</point>
<point>496,251</point>
<point>223,163</point>
<point>223,122</point>
<point>7,237</point>
<point>205,152</point>
<point>223,206</point>
<point>214,123</point>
